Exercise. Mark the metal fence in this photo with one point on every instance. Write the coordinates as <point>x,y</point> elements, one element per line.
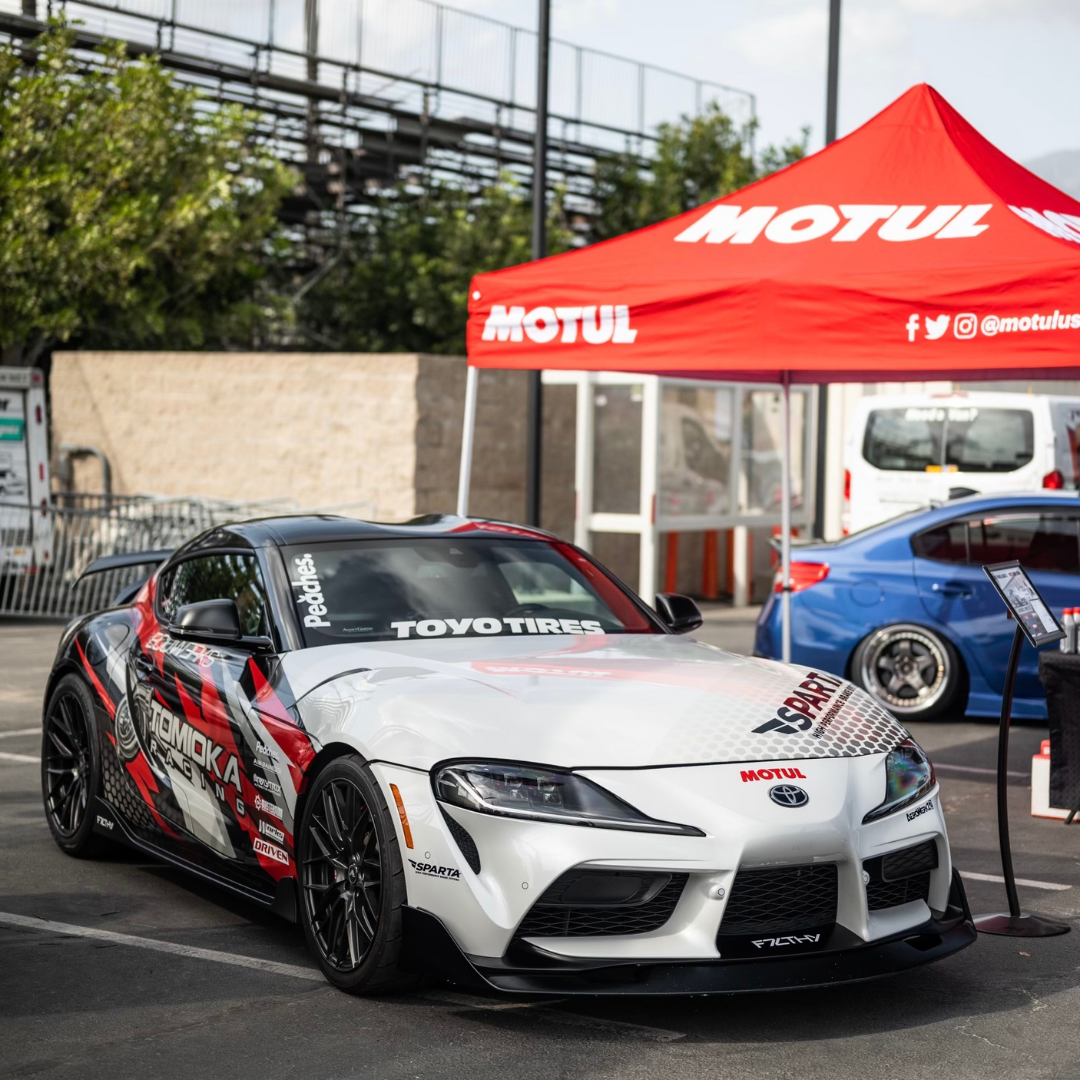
<point>416,52</point>
<point>45,549</point>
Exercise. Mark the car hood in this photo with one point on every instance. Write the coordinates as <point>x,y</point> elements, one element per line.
<point>575,702</point>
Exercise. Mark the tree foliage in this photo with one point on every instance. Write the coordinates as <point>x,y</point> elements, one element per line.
<point>696,160</point>
<point>400,279</point>
<point>130,212</point>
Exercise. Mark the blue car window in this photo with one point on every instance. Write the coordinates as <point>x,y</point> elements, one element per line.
<point>1040,542</point>
<point>945,543</point>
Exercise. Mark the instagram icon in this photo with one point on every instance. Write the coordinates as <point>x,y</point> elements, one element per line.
<point>965,326</point>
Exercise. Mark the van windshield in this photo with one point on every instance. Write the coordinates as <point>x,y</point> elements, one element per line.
<point>434,587</point>
<point>949,438</point>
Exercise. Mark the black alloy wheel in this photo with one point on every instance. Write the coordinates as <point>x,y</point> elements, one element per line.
<point>70,769</point>
<point>351,880</point>
<point>909,669</point>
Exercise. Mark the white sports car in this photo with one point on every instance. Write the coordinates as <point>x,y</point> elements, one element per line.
<point>462,749</point>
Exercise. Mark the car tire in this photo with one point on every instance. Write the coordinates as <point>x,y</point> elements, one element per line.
<point>71,767</point>
<point>351,881</point>
<point>913,672</point>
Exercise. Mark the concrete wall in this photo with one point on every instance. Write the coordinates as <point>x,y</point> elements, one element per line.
<point>319,428</point>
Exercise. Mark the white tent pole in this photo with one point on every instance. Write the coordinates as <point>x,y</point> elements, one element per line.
<point>785,521</point>
<point>468,431</point>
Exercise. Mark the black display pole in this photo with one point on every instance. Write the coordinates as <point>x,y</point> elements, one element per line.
<point>534,426</point>
<point>1013,923</point>
<point>832,88</point>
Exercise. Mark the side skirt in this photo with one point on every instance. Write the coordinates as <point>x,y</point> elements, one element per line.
<point>282,902</point>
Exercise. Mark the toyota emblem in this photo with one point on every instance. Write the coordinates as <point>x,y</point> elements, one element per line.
<point>788,795</point>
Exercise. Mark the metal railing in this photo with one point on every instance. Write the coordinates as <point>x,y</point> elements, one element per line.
<point>362,92</point>
<point>45,549</point>
<point>403,49</point>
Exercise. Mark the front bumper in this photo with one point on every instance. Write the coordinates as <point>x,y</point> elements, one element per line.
<point>429,949</point>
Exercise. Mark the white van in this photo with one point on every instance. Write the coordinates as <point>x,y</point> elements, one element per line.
<point>908,451</point>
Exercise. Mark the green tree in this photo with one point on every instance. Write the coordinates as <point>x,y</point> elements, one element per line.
<point>400,280</point>
<point>131,212</point>
<point>698,159</point>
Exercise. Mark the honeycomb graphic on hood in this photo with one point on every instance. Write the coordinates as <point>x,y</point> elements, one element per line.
<point>849,724</point>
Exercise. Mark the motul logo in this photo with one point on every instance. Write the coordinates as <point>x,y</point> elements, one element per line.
<point>599,325</point>
<point>771,774</point>
<point>846,223</point>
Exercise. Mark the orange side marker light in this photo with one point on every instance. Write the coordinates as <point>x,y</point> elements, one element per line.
<point>401,814</point>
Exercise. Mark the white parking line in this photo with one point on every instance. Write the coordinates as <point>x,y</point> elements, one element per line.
<point>190,951</point>
<point>1019,881</point>
<point>981,772</point>
<point>21,731</point>
<point>29,758</point>
<point>449,997</point>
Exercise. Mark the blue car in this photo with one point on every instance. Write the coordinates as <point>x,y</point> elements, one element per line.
<point>905,610</point>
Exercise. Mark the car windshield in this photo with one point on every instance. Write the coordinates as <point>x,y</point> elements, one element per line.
<point>393,589</point>
<point>951,438</point>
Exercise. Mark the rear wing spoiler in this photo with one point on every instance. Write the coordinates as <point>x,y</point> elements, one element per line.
<point>126,559</point>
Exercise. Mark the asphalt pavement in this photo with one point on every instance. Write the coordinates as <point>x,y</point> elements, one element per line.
<point>119,967</point>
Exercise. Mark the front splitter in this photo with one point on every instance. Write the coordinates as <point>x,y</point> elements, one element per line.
<point>429,949</point>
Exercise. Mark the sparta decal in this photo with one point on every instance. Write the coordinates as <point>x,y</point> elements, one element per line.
<point>184,745</point>
<point>447,873</point>
<point>810,697</point>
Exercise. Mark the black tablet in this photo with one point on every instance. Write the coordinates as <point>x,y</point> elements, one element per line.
<point>1028,608</point>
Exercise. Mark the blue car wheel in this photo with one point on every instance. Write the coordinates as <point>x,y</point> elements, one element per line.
<point>909,669</point>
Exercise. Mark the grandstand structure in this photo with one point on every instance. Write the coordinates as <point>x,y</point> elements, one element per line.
<point>357,94</point>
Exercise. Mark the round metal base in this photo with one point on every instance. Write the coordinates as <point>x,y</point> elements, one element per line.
<point>1020,925</point>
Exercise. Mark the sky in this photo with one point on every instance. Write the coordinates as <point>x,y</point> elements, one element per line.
<point>1012,67</point>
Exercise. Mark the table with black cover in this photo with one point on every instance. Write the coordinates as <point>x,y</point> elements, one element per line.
<point>1060,675</point>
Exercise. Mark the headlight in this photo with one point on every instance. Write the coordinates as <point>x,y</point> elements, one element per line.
<point>908,777</point>
<point>524,791</point>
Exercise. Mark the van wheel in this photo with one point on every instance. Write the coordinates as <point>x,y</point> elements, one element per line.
<point>910,670</point>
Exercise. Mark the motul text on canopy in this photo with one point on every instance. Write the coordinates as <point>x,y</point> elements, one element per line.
<point>897,223</point>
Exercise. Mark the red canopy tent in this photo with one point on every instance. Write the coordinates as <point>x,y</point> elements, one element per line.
<point>911,248</point>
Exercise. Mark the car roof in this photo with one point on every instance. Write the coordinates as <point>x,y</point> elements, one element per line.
<point>958,399</point>
<point>293,529</point>
<point>915,520</point>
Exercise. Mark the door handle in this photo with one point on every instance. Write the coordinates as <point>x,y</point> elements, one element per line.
<point>951,589</point>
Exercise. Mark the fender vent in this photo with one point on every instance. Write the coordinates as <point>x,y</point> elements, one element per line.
<point>464,841</point>
<point>901,876</point>
<point>602,903</point>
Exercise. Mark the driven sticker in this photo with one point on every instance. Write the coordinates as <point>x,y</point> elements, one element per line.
<point>270,850</point>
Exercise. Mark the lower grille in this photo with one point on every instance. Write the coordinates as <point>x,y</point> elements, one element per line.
<point>646,907</point>
<point>886,894</point>
<point>901,876</point>
<point>781,900</point>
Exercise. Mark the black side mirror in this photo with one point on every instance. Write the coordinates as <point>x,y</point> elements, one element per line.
<point>679,613</point>
<point>211,622</point>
